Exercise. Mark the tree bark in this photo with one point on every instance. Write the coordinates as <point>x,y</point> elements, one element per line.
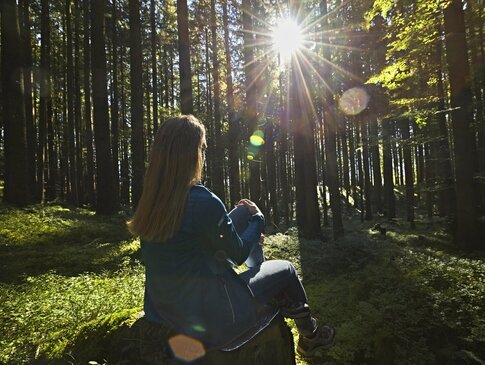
<point>45,118</point>
<point>106,200</point>
<point>15,137</point>
<point>88,122</point>
<point>25,34</point>
<point>408,171</point>
<point>137,145</point>
<point>115,119</point>
<point>73,195</point>
<point>234,130</point>
<point>467,232</point>
<point>154,43</point>
<point>330,129</point>
<point>389,197</point>
<point>186,103</point>
<point>251,95</point>
<point>218,171</point>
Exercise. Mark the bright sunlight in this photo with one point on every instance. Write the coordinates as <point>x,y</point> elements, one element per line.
<point>287,38</point>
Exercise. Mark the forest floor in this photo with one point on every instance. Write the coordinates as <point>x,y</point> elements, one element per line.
<point>406,297</point>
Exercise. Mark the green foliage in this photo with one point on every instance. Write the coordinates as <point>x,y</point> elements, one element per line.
<point>400,298</point>
<point>403,298</point>
<point>55,277</point>
<point>36,239</point>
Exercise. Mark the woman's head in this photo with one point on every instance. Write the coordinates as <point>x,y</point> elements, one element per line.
<point>175,165</point>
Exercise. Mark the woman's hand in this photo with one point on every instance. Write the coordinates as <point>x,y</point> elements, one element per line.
<point>253,208</point>
<point>261,240</point>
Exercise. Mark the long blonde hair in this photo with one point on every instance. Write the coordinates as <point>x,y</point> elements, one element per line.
<point>175,165</point>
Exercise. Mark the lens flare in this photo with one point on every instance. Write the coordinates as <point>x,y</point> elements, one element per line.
<point>257,139</point>
<point>353,101</point>
<point>186,348</point>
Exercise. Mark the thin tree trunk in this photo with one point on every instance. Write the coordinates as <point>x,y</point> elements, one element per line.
<point>408,171</point>
<point>389,197</point>
<point>77,105</point>
<point>71,166</point>
<point>234,130</point>
<point>376,163</point>
<point>218,171</point>
<point>115,119</point>
<point>251,95</point>
<point>137,145</point>
<point>153,35</point>
<point>89,177</point>
<point>186,103</point>
<point>366,165</point>
<point>45,100</point>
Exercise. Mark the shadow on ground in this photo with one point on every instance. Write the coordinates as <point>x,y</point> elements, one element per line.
<point>37,240</point>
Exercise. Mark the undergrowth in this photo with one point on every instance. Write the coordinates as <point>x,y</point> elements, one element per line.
<point>61,268</point>
<point>407,297</point>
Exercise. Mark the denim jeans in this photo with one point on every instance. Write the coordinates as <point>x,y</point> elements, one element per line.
<point>272,281</point>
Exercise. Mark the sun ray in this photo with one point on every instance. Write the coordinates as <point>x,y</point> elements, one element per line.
<point>256,59</point>
<point>340,46</point>
<point>303,82</point>
<point>312,67</point>
<point>335,66</point>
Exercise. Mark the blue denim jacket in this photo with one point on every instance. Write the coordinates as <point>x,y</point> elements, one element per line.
<point>190,284</point>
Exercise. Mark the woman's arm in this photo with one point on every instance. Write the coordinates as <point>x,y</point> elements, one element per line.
<point>219,232</point>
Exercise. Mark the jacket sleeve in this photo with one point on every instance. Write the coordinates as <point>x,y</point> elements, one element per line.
<point>219,232</point>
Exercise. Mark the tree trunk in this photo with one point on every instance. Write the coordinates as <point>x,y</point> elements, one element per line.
<point>88,122</point>
<point>345,158</point>
<point>106,199</point>
<point>251,96</point>
<point>408,171</point>
<point>15,137</point>
<point>154,43</point>
<point>376,163</point>
<point>125,165</point>
<point>137,144</point>
<point>330,129</point>
<point>366,165</point>
<point>234,130</point>
<point>71,166</point>
<point>44,106</point>
<point>218,171</point>
<point>283,157</point>
<point>77,105</point>
<point>467,232</point>
<point>115,119</point>
<point>29,103</point>
<point>186,104</point>
<point>389,197</point>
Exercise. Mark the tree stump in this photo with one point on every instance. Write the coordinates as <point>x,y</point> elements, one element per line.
<point>129,338</point>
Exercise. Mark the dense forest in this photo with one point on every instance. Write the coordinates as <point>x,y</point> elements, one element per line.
<point>381,101</point>
<point>357,126</point>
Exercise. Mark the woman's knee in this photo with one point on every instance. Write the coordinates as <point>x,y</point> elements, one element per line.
<point>284,266</point>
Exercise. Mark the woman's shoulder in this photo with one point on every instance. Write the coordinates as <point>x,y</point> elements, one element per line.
<point>199,194</point>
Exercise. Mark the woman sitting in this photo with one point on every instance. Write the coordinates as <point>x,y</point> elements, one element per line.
<point>190,245</point>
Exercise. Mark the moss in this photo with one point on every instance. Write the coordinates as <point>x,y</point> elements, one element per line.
<point>98,338</point>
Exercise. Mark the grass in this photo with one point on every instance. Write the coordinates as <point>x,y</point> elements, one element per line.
<point>408,297</point>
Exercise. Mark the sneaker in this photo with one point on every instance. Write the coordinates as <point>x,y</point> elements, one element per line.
<point>323,339</point>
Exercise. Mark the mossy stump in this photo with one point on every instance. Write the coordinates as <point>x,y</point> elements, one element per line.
<point>129,338</point>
